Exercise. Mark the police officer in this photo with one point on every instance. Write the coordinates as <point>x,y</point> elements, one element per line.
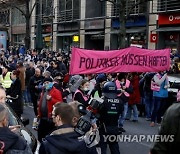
<point>110,110</point>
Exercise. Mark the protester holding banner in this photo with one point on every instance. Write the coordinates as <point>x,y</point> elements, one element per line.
<point>159,85</point>
<point>81,94</point>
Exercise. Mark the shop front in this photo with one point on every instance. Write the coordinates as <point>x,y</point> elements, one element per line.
<point>67,36</point>
<point>169,32</point>
<point>94,34</point>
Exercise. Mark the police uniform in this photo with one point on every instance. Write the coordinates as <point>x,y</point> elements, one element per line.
<point>110,110</point>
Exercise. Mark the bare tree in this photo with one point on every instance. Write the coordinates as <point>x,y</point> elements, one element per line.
<point>124,12</point>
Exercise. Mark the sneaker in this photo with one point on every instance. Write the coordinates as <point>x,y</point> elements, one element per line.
<point>148,119</point>
<point>158,123</point>
<point>152,124</point>
<point>122,129</point>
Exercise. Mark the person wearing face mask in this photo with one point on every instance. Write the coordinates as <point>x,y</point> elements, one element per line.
<point>81,94</point>
<point>49,96</point>
<point>9,141</point>
<point>14,93</point>
<point>58,84</point>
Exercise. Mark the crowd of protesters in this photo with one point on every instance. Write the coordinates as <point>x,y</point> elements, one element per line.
<point>41,80</point>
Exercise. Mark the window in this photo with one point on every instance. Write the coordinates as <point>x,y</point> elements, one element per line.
<point>165,5</point>
<point>17,17</point>
<point>68,10</point>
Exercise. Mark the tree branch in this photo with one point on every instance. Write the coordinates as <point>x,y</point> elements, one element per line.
<point>132,7</point>
<point>33,8</point>
<point>14,6</point>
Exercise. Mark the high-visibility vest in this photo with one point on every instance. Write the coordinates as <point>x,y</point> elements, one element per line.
<point>126,85</point>
<point>84,96</point>
<point>6,81</point>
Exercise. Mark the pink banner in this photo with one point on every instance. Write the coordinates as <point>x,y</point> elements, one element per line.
<point>126,60</point>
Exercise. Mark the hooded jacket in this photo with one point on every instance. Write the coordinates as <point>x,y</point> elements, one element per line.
<point>13,143</point>
<point>64,141</point>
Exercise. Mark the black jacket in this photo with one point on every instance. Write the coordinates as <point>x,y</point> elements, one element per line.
<point>78,97</point>
<point>15,91</point>
<point>65,143</point>
<point>13,142</point>
<point>35,81</point>
<point>29,73</point>
<point>62,68</point>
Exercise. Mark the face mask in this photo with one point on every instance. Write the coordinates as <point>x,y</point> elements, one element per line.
<point>49,86</point>
<point>86,89</point>
<point>121,83</point>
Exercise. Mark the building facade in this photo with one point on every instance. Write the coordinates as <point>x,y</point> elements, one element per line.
<point>94,24</point>
<point>167,30</point>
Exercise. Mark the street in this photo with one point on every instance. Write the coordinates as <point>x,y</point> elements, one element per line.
<point>138,128</point>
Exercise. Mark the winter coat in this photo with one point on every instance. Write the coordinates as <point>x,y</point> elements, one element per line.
<point>65,141</point>
<point>13,144</point>
<point>35,81</point>
<point>15,91</point>
<point>56,96</point>
<point>135,97</point>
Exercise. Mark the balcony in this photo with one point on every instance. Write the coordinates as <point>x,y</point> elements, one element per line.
<point>132,8</point>
<point>164,6</point>
<point>68,15</point>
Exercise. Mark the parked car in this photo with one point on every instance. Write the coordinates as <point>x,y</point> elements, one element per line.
<point>23,131</point>
<point>174,80</point>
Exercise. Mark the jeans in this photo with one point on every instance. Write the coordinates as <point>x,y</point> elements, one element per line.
<point>135,112</point>
<point>27,96</point>
<point>159,104</point>
<point>148,105</point>
<point>123,116</point>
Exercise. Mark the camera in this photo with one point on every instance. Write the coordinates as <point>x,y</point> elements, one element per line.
<point>89,115</point>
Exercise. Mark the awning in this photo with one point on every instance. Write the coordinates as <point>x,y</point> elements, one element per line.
<point>92,33</point>
<point>67,34</point>
<point>167,29</point>
<point>131,30</point>
<point>44,35</point>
